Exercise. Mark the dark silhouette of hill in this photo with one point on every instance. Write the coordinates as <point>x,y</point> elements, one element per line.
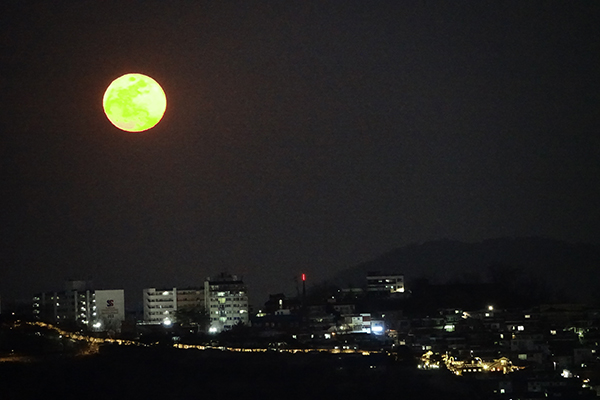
<point>565,271</point>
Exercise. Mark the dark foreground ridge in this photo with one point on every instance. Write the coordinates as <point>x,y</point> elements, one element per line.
<point>134,373</point>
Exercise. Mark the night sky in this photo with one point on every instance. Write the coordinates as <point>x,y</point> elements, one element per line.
<point>300,136</point>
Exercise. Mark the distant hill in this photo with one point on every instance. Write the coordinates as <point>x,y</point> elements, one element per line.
<point>571,271</point>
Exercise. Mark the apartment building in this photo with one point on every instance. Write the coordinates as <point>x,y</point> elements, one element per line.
<point>385,283</point>
<point>80,305</point>
<point>160,306</point>
<point>226,300</point>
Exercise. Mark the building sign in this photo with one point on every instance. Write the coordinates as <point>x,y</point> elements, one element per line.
<point>110,304</point>
<point>110,309</point>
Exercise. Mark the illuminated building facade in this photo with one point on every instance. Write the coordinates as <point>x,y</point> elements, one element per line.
<point>226,301</point>
<point>160,305</point>
<point>64,307</point>
<point>357,323</point>
<point>385,283</point>
<point>190,298</point>
<point>77,305</point>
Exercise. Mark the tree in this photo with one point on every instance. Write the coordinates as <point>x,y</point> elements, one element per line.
<point>193,316</point>
<point>322,291</point>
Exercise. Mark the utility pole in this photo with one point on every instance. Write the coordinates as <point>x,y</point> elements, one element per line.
<point>297,287</point>
<point>303,288</point>
<point>304,310</point>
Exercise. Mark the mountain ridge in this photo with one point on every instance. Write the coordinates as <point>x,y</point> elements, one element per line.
<point>569,269</point>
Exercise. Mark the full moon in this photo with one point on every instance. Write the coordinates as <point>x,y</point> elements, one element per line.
<point>134,102</point>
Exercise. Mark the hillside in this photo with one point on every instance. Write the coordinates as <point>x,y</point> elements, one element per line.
<point>570,271</point>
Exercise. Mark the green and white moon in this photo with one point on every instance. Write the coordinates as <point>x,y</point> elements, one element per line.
<point>134,102</point>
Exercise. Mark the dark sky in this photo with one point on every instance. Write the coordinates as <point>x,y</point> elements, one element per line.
<point>300,136</point>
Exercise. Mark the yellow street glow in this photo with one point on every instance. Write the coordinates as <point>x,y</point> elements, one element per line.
<point>134,102</point>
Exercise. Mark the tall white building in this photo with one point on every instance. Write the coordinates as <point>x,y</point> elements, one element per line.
<point>226,301</point>
<point>160,306</point>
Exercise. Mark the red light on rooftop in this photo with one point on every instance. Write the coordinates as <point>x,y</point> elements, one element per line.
<point>303,277</point>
